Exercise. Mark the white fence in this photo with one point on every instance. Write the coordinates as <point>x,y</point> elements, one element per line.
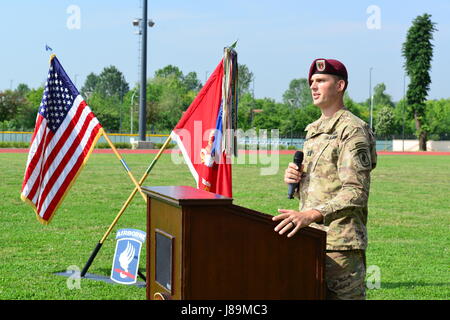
<point>413,145</point>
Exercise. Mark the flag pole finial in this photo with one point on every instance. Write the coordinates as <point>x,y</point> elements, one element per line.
<point>51,58</point>
<point>233,46</point>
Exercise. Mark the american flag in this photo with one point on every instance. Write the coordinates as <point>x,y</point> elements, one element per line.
<point>65,133</point>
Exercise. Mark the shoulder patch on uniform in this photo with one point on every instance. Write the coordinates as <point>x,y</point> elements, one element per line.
<point>360,145</point>
<point>363,157</point>
<point>360,150</point>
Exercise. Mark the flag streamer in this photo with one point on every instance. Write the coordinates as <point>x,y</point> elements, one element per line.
<point>230,103</point>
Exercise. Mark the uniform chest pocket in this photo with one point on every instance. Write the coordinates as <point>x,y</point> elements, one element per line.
<point>320,154</point>
<point>313,151</point>
<point>326,156</point>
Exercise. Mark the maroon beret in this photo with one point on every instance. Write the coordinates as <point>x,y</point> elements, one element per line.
<point>328,66</point>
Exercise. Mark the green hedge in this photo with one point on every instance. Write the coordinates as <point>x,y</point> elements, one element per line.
<point>118,145</point>
<point>169,146</point>
<point>14,144</point>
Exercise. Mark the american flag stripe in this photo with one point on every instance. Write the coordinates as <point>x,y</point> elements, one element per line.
<point>62,140</point>
<point>53,169</point>
<point>36,146</point>
<point>74,145</point>
<point>51,140</point>
<point>37,136</point>
<point>34,161</point>
<point>37,177</point>
<point>55,196</point>
<point>49,197</point>
<point>38,125</point>
<point>52,145</point>
<point>65,133</point>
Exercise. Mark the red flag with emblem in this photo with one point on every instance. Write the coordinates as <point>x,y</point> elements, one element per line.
<point>204,133</point>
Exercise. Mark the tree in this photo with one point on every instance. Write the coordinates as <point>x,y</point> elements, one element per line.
<point>105,93</point>
<point>418,53</point>
<point>380,98</point>
<point>111,82</point>
<point>89,85</point>
<point>299,94</point>
<point>169,71</point>
<point>358,110</point>
<point>245,78</point>
<point>245,111</point>
<point>27,112</point>
<point>191,82</point>
<point>438,118</point>
<point>404,126</point>
<point>165,102</point>
<point>102,106</point>
<point>169,94</point>
<point>22,89</point>
<point>307,115</point>
<point>385,121</point>
<point>10,102</point>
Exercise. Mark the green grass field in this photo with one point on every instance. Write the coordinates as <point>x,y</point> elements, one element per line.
<point>409,219</point>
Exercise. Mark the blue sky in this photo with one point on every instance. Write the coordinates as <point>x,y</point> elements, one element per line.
<point>277,40</point>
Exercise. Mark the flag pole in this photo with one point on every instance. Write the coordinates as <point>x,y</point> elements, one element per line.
<point>124,207</point>
<point>124,164</point>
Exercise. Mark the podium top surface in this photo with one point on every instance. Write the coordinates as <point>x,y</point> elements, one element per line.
<point>185,195</point>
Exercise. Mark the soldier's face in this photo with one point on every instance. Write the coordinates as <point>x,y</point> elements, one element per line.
<point>326,90</point>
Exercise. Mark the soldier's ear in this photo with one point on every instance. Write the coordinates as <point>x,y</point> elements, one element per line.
<point>341,85</point>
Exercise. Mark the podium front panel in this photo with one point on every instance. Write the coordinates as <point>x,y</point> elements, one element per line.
<point>165,224</point>
<point>222,251</point>
<point>234,253</point>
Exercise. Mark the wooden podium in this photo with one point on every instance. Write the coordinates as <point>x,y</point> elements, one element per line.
<point>201,246</point>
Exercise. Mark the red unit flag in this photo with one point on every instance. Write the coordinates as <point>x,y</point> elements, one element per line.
<point>205,132</point>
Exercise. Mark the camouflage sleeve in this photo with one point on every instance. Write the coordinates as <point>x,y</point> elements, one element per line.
<point>354,165</point>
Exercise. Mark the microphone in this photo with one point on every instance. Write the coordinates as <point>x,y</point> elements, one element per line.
<point>298,159</point>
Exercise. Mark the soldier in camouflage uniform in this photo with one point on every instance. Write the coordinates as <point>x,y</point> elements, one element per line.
<point>339,154</point>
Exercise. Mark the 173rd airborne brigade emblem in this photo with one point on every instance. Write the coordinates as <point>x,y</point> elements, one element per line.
<point>320,65</point>
<point>126,258</point>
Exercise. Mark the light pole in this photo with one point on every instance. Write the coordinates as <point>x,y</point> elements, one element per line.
<point>142,23</point>
<point>291,103</point>
<point>404,111</point>
<point>371,98</point>
<point>131,111</point>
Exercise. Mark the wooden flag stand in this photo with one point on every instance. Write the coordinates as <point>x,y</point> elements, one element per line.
<point>127,202</point>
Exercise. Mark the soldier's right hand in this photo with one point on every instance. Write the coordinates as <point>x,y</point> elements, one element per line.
<point>292,174</point>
